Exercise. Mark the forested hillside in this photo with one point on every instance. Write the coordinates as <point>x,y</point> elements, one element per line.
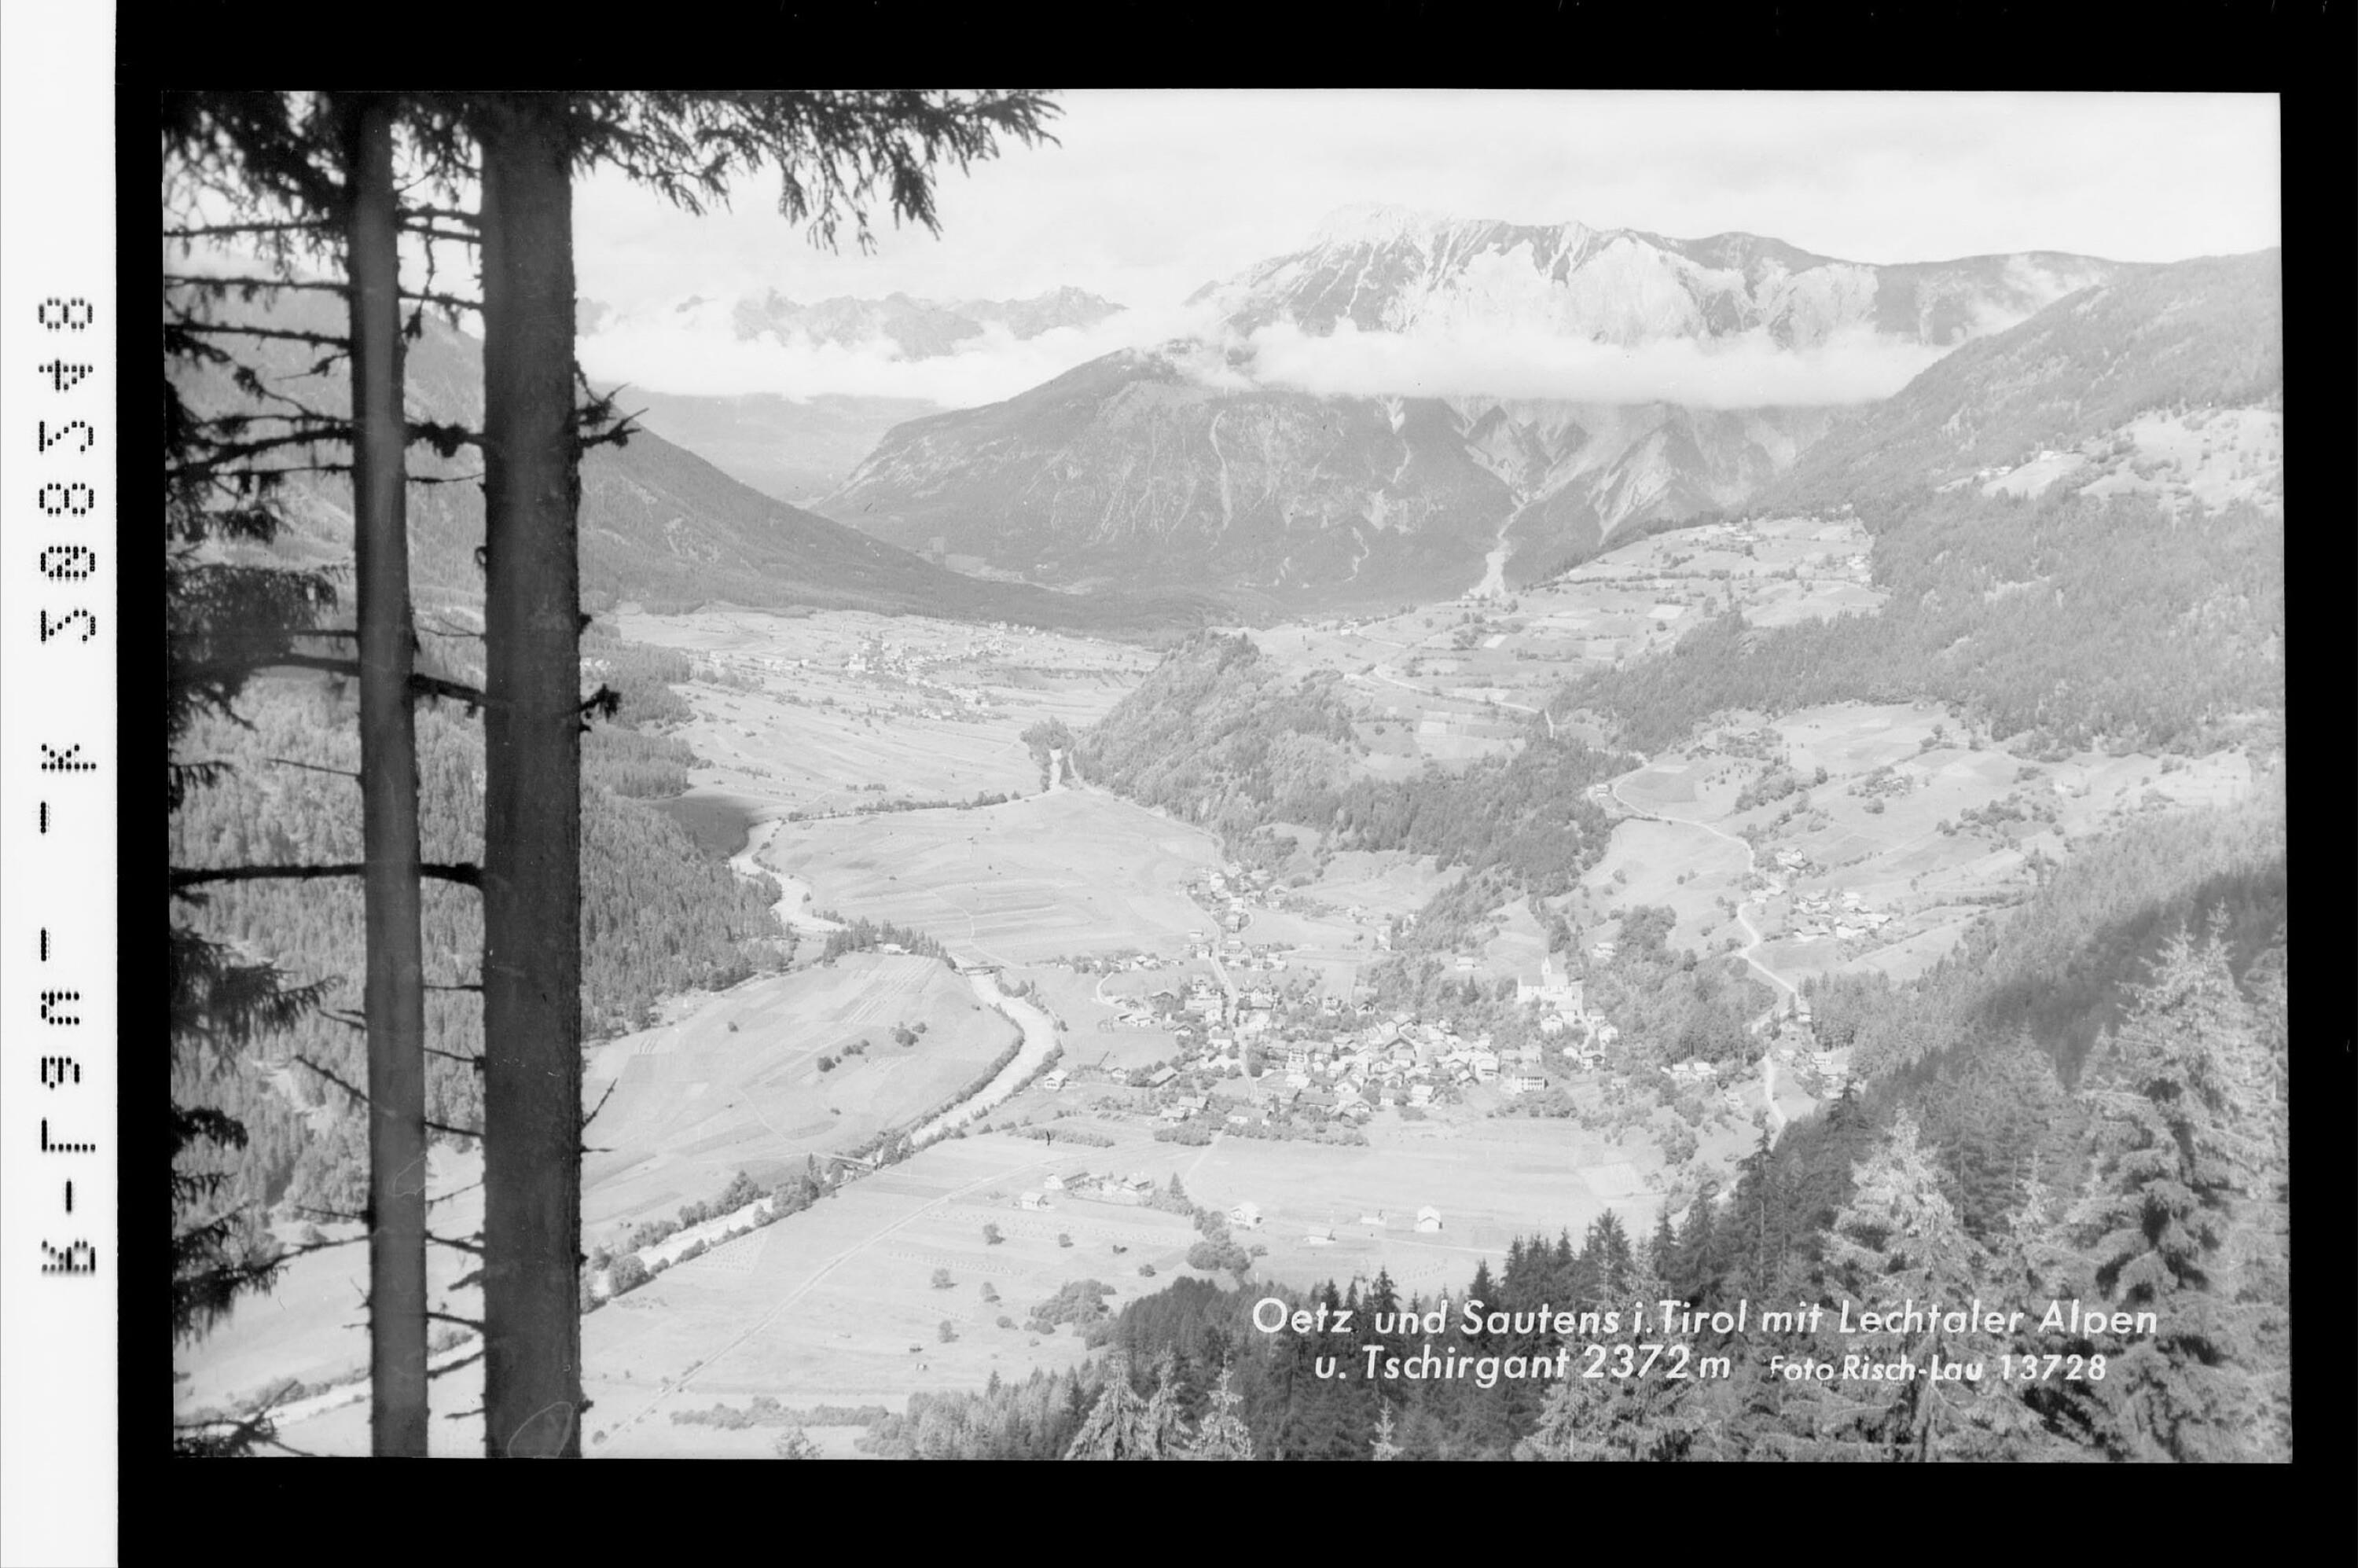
<point>2135,621</point>
<point>2158,1189</point>
<point>659,525</point>
<point>2073,622</point>
<point>2202,334</point>
<point>657,918</point>
<point>2055,970</point>
<point>1216,735</point>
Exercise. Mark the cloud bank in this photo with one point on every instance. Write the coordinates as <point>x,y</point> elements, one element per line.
<point>693,351</point>
<point>1750,370</point>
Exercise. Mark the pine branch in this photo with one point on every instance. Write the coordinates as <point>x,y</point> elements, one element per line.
<point>451,301</point>
<point>235,452</point>
<point>296,1251</point>
<point>314,767</point>
<point>360,1095</point>
<point>207,231</point>
<point>281,334</point>
<point>222,283</point>
<point>446,440</point>
<point>419,684</point>
<point>602,1103</point>
<point>463,871</point>
<point>456,214</point>
<point>336,1213</point>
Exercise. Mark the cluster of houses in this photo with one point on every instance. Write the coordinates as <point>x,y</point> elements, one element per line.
<point>877,654</point>
<point>1100,1186</point>
<point>1390,1060</point>
<point>1815,915</point>
<point>1693,1074</point>
<point>1230,896</point>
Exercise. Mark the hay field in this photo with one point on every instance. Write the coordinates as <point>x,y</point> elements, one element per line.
<point>1492,1180</point>
<point>696,1100</point>
<point>313,1325</point>
<point>817,734</point>
<point>838,1305</point>
<point>1075,871</point>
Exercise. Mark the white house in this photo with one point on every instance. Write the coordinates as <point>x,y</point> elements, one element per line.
<point>1246,1215</point>
<point>1032,1200</point>
<point>1428,1219</point>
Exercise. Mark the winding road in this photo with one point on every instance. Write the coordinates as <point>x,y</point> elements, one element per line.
<point>1751,864</point>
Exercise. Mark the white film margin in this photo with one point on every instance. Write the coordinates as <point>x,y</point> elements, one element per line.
<point>59,622</point>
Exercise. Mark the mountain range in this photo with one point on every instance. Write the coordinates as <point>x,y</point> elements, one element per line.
<point>660,525</point>
<point>1198,463</point>
<point>1389,269</point>
<point>2184,338</point>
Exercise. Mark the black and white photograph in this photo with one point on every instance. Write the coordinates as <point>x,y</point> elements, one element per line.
<point>1252,775</point>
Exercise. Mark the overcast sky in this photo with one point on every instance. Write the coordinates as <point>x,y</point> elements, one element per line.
<point>1153,194</point>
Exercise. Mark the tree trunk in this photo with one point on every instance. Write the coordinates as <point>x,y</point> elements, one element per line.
<point>531,804</point>
<point>394,998</point>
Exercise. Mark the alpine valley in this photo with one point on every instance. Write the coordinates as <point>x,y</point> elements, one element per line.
<point>1222,462</point>
<point>1766,767</point>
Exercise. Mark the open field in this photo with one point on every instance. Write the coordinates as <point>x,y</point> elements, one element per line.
<point>1491,1180</point>
<point>836,1304</point>
<point>736,1082</point>
<point>842,708</point>
<point>312,1326</point>
<point>1892,891</point>
<point>1072,871</point>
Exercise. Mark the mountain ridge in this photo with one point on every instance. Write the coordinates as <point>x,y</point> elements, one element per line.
<point>659,525</point>
<point>1178,460</point>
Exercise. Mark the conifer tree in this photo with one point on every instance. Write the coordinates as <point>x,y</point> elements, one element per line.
<point>1638,1418</point>
<point>1385,1447</point>
<point>1223,1433</point>
<point>1115,1426</point>
<point>1165,1419</point>
<point>1900,1240</point>
<point>2184,1158</point>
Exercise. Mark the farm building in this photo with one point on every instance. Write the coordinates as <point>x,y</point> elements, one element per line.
<point>1246,1215</point>
<point>1428,1219</point>
<point>1032,1200</point>
<point>1056,1080</point>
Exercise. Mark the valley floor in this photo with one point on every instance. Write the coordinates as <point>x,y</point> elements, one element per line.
<point>1915,830</point>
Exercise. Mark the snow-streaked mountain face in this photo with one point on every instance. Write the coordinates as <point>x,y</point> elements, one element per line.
<point>1138,467</point>
<point>1386,270</point>
<point>916,329</point>
<point>1198,464</point>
